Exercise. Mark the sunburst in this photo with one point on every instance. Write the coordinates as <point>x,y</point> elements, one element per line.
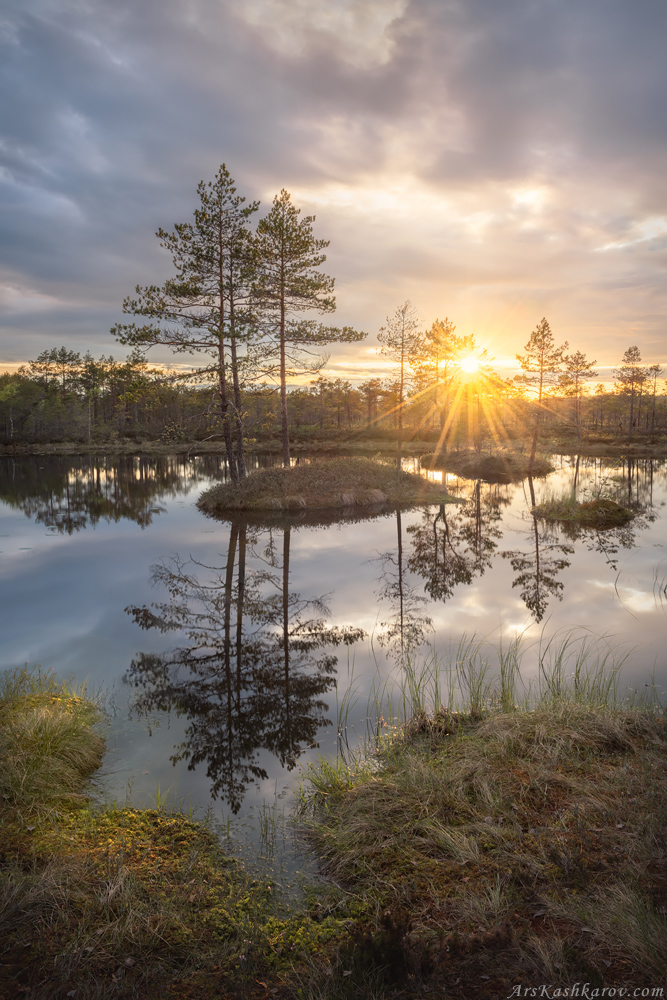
<point>470,364</point>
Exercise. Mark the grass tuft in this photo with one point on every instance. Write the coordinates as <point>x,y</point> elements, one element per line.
<point>602,512</point>
<point>503,467</point>
<point>101,902</point>
<point>50,741</point>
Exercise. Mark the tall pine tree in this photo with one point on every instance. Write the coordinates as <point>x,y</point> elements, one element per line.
<point>291,283</point>
<point>205,308</point>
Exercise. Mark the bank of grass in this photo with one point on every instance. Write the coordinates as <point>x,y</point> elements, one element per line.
<point>323,484</point>
<point>501,467</point>
<point>109,901</point>
<point>600,512</point>
<point>503,846</point>
<point>468,850</point>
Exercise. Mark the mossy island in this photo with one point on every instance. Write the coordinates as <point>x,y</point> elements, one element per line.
<point>336,483</point>
<point>504,467</point>
<point>599,513</point>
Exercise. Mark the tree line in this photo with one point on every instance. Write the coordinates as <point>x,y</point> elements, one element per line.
<point>65,396</point>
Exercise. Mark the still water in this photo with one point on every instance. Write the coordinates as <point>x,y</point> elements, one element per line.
<point>228,647</point>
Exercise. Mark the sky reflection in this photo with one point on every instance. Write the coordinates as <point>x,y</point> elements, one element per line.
<point>74,555</point>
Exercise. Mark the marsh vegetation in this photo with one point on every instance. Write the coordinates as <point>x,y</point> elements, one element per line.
<point>513,836</point>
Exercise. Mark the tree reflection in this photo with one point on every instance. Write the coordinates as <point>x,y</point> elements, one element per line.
<point>407,626</point>
<point>255,665</point>
<point>537,568</point>
<point>458,543</point>
<point>70,494</point>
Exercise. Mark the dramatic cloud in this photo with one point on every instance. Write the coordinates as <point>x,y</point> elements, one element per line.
<point>494,162</point>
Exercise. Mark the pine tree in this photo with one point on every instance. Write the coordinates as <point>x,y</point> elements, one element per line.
<point>403,344</point>
<point>440,365</point>
<point>541,366</point>
<point>630,377</point>
<point>290,283</point>
<point>57,363</point>
<point>573,381</point>
<point>205,308</point>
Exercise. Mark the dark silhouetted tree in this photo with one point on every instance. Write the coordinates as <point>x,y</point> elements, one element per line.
<point>630,377</point>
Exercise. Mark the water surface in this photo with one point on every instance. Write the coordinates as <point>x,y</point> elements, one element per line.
<point>228,646</point>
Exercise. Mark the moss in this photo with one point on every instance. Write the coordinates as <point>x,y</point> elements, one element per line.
<point>474,853</point>
<point>118,901</point>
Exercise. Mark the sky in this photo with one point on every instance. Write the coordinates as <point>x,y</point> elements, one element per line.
<point>492,161</point>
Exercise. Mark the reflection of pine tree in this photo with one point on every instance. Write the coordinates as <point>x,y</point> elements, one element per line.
<point>407,627</point>
<point>458,543</point>
<point>536,569</point>
<point>69,494</point>
<point>247,680</point>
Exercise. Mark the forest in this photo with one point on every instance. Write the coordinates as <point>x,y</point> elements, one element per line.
<point>63,396</point>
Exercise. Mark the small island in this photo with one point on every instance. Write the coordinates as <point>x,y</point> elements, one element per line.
<point>503,467</point>
<point>599,513</point>
<point>337,483</point>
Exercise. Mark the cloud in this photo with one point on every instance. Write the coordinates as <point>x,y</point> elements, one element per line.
<point>493,162</point>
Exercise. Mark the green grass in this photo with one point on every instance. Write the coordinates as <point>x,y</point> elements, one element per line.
<point>328,483</point>
<point>51,742</point>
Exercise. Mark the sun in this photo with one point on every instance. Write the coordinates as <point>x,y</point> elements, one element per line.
<point>470,364</point>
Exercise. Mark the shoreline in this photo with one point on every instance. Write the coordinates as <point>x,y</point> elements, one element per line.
<point>365,446</point>
<point>465,851</point>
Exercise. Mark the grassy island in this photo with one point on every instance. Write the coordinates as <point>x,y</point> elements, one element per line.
<point>327,484</point>
<point>601,512</point>
<point>504,467</point>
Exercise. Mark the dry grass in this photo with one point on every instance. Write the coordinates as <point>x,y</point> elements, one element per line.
<point>527,847</point>
<point>329,483</point>
<point>473,853</point>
